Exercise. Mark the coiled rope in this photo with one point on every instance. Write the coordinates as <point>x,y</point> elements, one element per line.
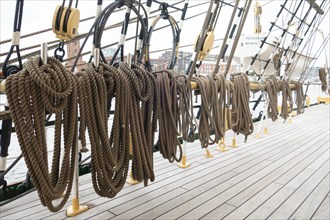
<point>110,156</point>
<point>272,89</point>
<point>299,96</point>
<point>323,79</point>
<point>223,119</point>
<point>143,120</point>
<point>209,106</point>
<point>286,99</point>
<point>31,92</point>
<point>168,114</point>
<point>134,121</point>
<point>185,100</point>
<point>241,115</point>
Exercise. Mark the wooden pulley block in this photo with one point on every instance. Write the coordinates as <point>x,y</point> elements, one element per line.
<point>207,45</point>
<point>65,23</point>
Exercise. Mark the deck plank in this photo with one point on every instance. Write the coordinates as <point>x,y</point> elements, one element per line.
<point>279,198</point>
<point>258,179</point>
<point>310,205</point>
<point>248,193</point>
<point>220,212</point>
<point>322,213</point>
<point>295,200</point>
<point>245,209</point>
<point>173,203</point>
<point>198,209</point>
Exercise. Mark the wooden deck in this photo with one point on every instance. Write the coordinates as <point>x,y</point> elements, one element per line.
<point>282,175</point>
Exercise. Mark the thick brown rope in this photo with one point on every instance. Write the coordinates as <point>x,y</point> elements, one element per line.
<point>286,99</point>
<point>222,119</point>
<point>243,123</point>
<point>299,96</point>
<point>323,79</point>
<point>184,90</point>
<point>271,87</point>
<point>110,156</point>
<point>30,93</point>
<point>134,120</point>
<point>143,120</point>
<point>209,107</point>
<point>168,116</point>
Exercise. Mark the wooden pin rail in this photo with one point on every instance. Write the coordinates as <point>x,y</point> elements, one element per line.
<point>253,86</point>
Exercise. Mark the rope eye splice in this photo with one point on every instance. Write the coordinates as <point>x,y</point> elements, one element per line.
<point>8,70</point>
<point>32,92</point>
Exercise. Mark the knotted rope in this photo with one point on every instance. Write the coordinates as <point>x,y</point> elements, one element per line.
<point>32,92</point>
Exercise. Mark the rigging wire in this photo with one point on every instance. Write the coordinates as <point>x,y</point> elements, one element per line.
<point>82,36</point>
<point>81,20</point>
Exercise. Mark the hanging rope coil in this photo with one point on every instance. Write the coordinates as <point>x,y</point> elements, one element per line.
<point>299,96</point>
<point>31,92</point>
<point>134,120</point>
<point>143,119</point>
<point>271,87</point>
<point>287,104</point>
<point>110,156</point>
<point>185,100</point>
<point>242,118</point>
<point>323,79</point>
<point>209,106</point>
<point>168,114</point>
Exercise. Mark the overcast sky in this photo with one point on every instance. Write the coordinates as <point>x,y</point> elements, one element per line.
<point>38,15</point>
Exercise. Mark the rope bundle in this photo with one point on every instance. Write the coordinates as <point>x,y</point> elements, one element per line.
<point>168,116</point>
<point>134,123</point>
<point>110,156</point>
<point>223,119</point>
<point>272,89</point>
<point>186,126</point>
<point>241,114</point>
<point>143,100</point>
<point>299,93</point>
<point>207,126</point>
<point>323,79</point>
<point>31,92</point>
<point>286,99</point>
